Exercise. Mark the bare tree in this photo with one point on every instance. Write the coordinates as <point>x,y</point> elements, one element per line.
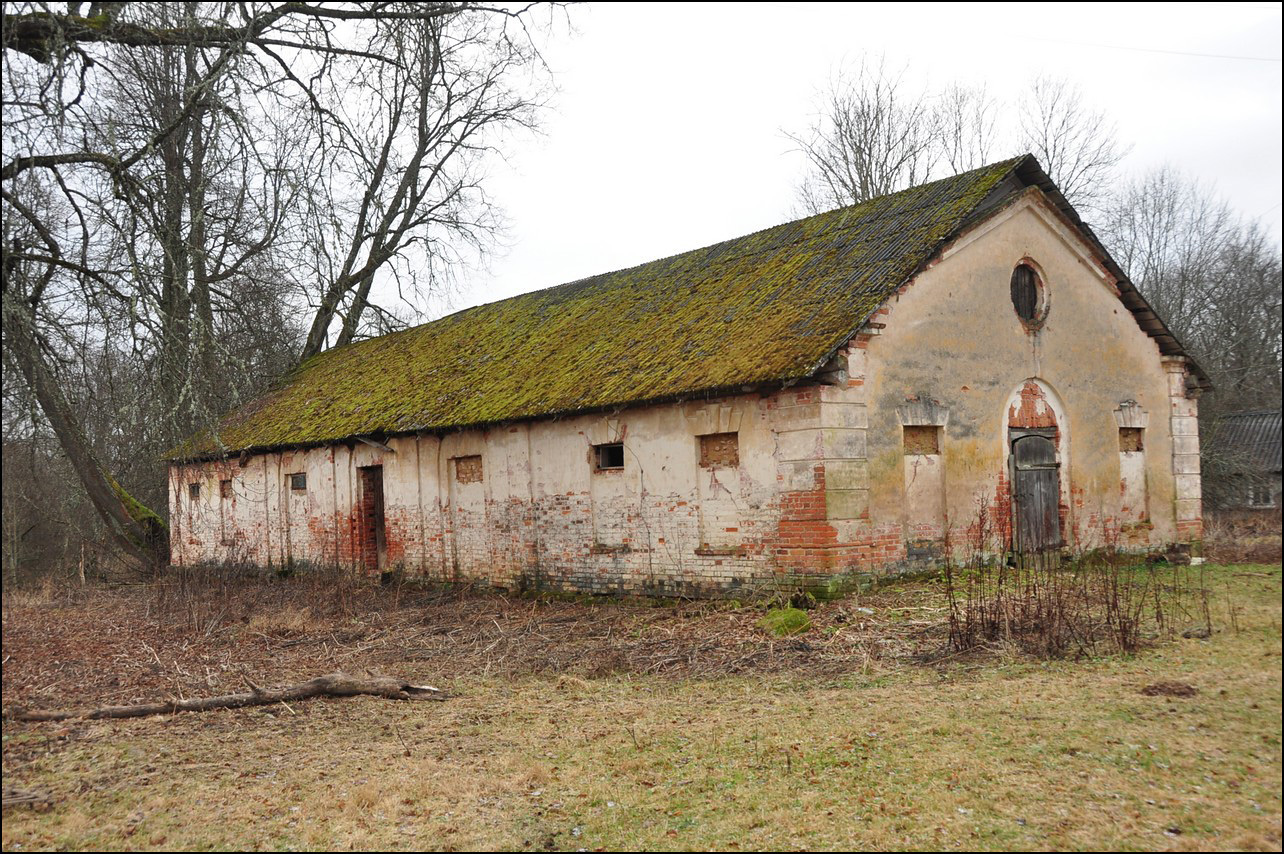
<point>1244,351</point>
<point>967,127</point>
<point>1077,145</point>
<point>871,137</point>
<point>1168,232</point>
<point>436,114</point>
<point>1216,280</point>
<point>875,135</point>
<point>184,180</point>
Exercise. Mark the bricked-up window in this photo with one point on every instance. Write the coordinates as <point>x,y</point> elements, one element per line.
<point>298,482</point>
<point>1027,295</point>
<point>608,457</point>
<point>194,491</point>
<point>720,450</point>
<point>1130,438</point>
<point>922,440</point>
<point>468,469</point>
<point>225,489</point>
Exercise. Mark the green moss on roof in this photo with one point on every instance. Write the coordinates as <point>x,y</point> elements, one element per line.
<point>767,307</point>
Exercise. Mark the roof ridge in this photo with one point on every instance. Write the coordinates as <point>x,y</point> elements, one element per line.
<point>1011,163</point>
<point>754,309</point>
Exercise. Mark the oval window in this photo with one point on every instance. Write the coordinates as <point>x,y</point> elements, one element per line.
<point>1027,295</point>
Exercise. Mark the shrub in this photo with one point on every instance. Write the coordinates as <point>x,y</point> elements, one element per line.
<point>1052,606</point>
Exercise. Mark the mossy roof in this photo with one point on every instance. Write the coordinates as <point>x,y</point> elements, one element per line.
<point>765,308</point>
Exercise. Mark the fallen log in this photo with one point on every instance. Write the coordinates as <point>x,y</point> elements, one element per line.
<point>330,685</point>
<point>22,798</point>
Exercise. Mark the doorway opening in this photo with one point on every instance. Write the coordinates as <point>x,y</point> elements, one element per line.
<point>371,524</point>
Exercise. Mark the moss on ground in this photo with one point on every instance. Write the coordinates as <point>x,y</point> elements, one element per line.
<point>783,622</point>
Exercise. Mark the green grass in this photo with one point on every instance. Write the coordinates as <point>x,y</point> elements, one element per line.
<point>1002,754</point>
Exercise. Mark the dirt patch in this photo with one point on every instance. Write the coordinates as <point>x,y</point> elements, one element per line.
<point>148,643</point>
<point>1263,549</point>
<point>1170,689</point>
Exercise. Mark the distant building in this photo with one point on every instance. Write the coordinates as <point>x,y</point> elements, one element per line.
<point>954,365</point>
<point>1246,451</point>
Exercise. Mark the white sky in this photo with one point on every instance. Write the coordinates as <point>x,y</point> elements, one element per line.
<point>666,134</point>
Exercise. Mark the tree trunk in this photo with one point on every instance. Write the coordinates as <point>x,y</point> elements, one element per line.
<point>203,363</point>
<point>137,530</point>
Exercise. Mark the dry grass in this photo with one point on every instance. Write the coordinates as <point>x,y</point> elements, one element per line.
<point>804,751</point>
<point>1243,536</point>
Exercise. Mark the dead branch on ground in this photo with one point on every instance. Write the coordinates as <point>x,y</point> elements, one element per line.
<point>330,685</point>
<point>24,798</point>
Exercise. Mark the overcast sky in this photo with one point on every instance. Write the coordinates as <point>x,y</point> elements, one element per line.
<point>666,133</point>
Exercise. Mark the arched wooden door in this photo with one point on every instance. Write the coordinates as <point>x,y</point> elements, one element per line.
<point>1036,493</point>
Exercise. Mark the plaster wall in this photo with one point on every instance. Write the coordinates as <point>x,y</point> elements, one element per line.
<point>542,515</point>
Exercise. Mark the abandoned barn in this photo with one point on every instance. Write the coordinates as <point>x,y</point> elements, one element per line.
<point>960,364</point>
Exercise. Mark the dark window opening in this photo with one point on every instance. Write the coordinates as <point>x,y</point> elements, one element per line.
<point>1027,294</point>
<point>720,450</point>
<point>922,439</point>
<point>609,456</point>
<point>225,489</point>
<point>1130,438</point>
<point>194,491</point>
<point>468,469</point>
<point>298,482</point>
<point>1261,496</point>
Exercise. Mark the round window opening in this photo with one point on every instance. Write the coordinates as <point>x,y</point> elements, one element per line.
<point>1028,295</point>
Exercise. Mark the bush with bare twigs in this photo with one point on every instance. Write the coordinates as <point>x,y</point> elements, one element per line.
<point>1055,605</point>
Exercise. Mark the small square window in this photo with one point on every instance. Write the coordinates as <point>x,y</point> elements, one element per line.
<point>922,439</point>
<point>194,491</point>
<point>298,482</point>
<point>609,457</point>
<point>225,489</point>
<point>1130,438</point>
<point>468,469</point>
<point>720,450</point>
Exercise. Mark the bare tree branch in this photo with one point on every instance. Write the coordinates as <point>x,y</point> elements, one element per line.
<point>190,189</point>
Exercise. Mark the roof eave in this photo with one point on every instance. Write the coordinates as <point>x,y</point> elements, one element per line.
<point>756,387</point>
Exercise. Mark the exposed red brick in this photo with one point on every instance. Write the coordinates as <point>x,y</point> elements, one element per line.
<point>468,469</point>
<point>1032,409</point>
